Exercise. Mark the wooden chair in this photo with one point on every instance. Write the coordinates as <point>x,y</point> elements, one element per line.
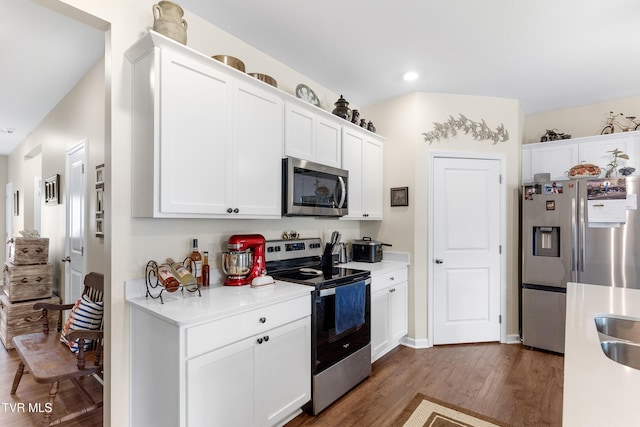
<point>50,361</point>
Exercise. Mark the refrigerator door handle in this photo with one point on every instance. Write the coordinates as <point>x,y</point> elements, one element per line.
<point>574,239</point>
<point>583,235</point>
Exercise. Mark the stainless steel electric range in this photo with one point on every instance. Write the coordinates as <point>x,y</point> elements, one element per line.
<point>340,317</point>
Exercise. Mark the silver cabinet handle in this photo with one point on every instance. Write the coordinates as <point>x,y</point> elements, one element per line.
<point>439,261</point>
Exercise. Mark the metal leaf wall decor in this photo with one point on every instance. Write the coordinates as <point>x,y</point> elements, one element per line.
<point>479,130</point>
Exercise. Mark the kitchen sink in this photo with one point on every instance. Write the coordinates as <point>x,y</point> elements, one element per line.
<point>624,352</point>
<point>627,329</point>
<point>620,339</point>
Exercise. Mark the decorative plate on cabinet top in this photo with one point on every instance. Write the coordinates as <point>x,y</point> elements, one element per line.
<point>306,94</point>
<point>584,170</point>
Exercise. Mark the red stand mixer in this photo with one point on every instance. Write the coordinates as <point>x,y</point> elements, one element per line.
<point>244,259</point>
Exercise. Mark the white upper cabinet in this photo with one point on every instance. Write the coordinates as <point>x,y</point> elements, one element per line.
<point>312,134</point>
<point>557,157</point>
<point>207,140</point>
<point>362,157</point>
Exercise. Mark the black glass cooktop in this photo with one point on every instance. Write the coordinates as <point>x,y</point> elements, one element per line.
<point>319,278</point>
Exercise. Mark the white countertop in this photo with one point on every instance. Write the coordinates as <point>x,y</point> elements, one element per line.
<point>391,261</point>
<point>597,390</point>
<point>216,302</point>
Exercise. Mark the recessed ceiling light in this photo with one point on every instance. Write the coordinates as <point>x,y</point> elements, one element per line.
<point>410,76</point>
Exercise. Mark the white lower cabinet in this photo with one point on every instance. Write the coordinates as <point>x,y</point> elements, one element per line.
<point>258,381</point>
<point>251,369</point>
<point>389,311</point>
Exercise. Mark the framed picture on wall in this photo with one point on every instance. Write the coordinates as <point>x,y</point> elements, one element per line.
<point>99,174</point>
<point>16,203</point>
<point>400,196</point>
<point>52,190</point>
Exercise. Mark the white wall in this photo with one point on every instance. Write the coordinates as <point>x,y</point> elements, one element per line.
<point>402,121</point>
<point>580,121</point>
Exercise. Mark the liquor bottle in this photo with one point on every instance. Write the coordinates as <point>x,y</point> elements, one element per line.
<point>205,269</point>
<point>196,259</point>
<point>182,273</point>
<point>167,278</point>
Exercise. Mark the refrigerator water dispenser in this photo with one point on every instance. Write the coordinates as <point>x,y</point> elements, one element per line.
<point>546,241</point>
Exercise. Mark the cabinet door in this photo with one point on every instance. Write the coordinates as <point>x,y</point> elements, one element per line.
<point>379,322</point>
<point>372,179</point>
<point>398,315</point>
<point>257,152</point>
<point>554,158</point>
<point>598,151</point>
<point>194,127</point>
<point>299,133</point>
<point>283,371</point>
<point>328,143</point>
<point>220,386</point>
<point>352,146</point>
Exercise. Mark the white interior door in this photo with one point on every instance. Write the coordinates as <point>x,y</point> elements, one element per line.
<point>76,211</point>
<point>8,205</point>
<point>466,250</point>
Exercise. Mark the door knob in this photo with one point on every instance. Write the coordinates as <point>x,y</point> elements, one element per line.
<point>66,259</point>
<point>439,261</point>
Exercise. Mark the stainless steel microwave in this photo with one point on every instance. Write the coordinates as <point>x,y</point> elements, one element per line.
<point>312,189</point>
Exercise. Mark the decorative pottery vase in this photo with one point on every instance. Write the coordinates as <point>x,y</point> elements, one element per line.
<point>342,108</point>
<point>168,21</point>
<point>355,115</point>
<point>363,123</point>
<point>371,127</point>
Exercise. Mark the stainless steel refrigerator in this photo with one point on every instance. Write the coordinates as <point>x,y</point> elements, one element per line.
<point>584,230</point>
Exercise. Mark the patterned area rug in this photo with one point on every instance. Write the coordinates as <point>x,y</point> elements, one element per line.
<point>424,411</point>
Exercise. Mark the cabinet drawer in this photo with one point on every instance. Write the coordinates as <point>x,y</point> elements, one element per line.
<point>388,279</point>
<point>212,335</point>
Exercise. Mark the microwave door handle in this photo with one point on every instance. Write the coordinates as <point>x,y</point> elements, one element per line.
<point>343,194</point>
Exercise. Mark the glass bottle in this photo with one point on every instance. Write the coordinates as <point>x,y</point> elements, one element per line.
<point>196,259</point>
<point>205,269</point>
<point>167,278</point>
<point>182,273</point>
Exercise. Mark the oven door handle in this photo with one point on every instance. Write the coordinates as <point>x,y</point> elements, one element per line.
<point>332,291</point>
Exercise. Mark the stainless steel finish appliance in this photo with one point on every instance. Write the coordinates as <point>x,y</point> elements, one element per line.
<point>312,189</point>
<point>566,237</point>
<point>340,356</point>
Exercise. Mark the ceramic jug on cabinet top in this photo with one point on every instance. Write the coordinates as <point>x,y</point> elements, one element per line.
<point>168,21</point>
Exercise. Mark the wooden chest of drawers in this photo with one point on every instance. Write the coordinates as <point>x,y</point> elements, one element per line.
<point>20,318</point>
<point>27,282</point>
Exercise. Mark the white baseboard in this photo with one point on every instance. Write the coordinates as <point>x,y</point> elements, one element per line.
<point>513,339</point>
<point>415,343</point>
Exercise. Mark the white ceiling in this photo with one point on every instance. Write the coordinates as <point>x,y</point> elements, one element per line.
<point>548,54</point>
<point>44,54</point>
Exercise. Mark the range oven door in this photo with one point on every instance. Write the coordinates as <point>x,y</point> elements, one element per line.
<point>311,189</point>
<point>327,347</point>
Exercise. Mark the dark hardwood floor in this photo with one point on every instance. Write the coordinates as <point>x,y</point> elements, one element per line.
<point>21,409</point>
<point>505,381</point>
